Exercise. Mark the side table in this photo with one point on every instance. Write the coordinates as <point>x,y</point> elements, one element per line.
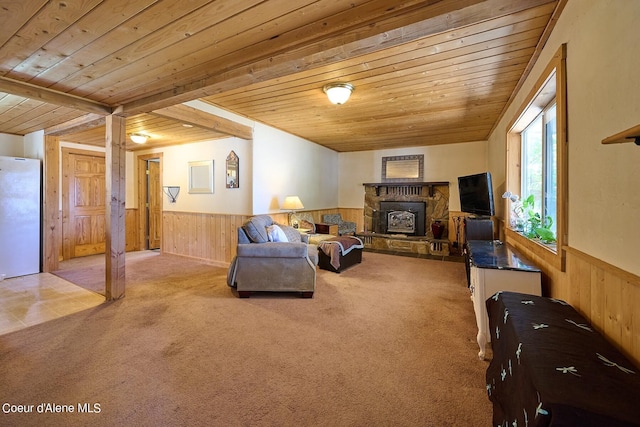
<point>495,267</point>
<point>322,228</point>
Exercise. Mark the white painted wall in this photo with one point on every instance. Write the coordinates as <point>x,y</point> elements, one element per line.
<point>283,165</point>
<point>30,146</point>
<point>34,145</point>
<point>11,145</point>
<point>175,171</point>
<point>441,163</point>
<point>288,165</point>
<point>603,99</point>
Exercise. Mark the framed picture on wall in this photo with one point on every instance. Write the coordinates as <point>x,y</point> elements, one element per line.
<point>201,177</point>
<point>233,170</point>
<point>403,168</point>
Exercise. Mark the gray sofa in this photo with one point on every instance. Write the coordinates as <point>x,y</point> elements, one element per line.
<point>272,259</point>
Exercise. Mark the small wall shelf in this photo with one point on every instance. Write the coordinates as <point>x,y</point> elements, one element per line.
<point>629,135</point>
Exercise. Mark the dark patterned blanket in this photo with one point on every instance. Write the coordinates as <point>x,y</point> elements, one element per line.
<point>550,367</point>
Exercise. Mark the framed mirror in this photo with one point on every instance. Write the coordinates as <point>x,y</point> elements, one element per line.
<point>403,168</point>
<point>201,177</point>
<point>233,166</point>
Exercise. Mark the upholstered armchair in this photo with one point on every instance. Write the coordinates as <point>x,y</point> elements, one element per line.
<point>274,258</point>
<point>303,220</point>
<point>344,227</point>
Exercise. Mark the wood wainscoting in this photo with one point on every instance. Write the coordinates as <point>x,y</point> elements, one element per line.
<point>606,295</point>
<point>209,237</point>
<point>213,237</point>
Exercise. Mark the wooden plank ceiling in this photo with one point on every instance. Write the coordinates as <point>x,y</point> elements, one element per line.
<point>425,72</point>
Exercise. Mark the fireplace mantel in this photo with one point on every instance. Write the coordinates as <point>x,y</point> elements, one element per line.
<point>430,185</point>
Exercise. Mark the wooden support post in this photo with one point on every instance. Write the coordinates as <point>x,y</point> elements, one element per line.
<point>115,203</point>
<point>51,231</point>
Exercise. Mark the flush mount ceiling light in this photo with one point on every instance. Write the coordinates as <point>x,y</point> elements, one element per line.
<point>338,93</point>
<point>138,138</point>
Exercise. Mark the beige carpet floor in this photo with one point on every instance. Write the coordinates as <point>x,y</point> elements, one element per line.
<point>89,271</point>
<point>389,342</point>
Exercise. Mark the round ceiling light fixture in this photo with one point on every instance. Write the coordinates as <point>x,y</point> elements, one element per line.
<point>138,138</point>
<point>338,93</point>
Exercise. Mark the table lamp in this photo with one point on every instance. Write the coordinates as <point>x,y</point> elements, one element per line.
<point>292,204</point>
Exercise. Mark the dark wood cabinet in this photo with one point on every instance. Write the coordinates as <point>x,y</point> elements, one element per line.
<point>322,228</point>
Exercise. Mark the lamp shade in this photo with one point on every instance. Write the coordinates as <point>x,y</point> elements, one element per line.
<point>292,203</point>
<point>338,93</point>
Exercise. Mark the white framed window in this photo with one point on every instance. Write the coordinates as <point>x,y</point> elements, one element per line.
<point>536,160</point>
<point>540,165</point>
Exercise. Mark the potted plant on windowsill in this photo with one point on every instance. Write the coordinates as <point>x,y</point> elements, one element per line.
<point>526,220</point>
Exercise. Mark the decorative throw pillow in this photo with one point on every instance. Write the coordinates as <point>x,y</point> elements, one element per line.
<point>276,234</point>
<point>256,228</point>
<point>292,234</point>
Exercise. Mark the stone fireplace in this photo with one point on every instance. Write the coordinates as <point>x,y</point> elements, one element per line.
<point>398,216</point>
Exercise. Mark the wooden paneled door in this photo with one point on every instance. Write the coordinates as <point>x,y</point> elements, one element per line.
<point>154,204</point>
<point>83,204</point>
<point>150,201</point>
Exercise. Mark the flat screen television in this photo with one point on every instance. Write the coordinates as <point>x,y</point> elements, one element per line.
<point>476,194</point>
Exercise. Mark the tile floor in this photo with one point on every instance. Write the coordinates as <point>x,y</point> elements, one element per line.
<point>36,298</point>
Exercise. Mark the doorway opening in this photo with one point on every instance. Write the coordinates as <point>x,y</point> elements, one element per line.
<point>150,201</point>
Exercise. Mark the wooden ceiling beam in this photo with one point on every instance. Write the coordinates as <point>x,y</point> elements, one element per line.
<point>195,117</point>
<point>88,121</point>
<point>324,53</point>
<point>50,96</point>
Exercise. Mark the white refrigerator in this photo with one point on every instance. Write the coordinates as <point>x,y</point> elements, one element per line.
<point>20,194</point>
